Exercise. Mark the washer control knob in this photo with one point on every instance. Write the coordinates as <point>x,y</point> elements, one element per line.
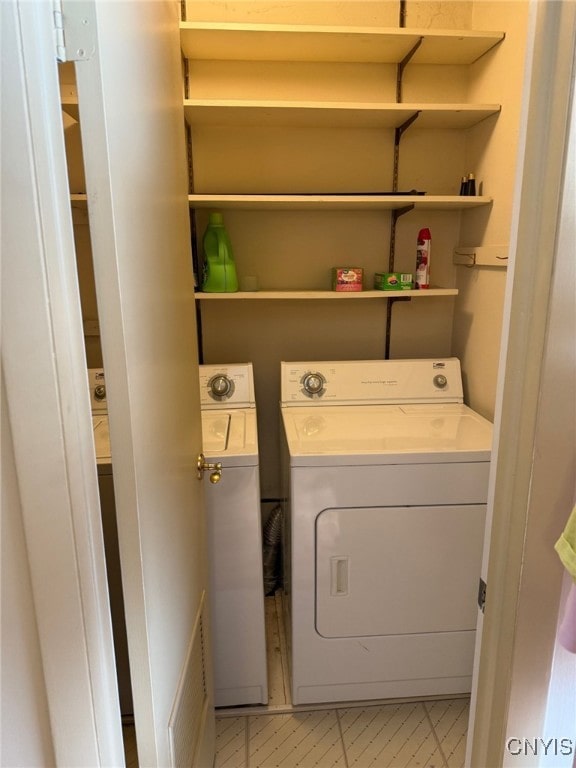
<point>440,381</point>
<point>100,392</point>
<point>220,386</point>
<point>313,384</point>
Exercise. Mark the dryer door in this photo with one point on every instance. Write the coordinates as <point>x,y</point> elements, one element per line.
<point>398,570</point>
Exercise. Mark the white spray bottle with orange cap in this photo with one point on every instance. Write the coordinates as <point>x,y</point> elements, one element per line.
<point>423,259</point>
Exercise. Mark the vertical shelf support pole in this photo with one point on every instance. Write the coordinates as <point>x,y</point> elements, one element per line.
<point>391,301</point>
<point>186,77</point>
<point>395,216</point>
<point>196,265</point>
<point>199,332</point>
<point>398,133</point>
<point>402,20</point>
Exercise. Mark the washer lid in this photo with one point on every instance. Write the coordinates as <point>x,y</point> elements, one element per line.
<point>230,436</point>
<point>386,434</point>
<point>101,439</point>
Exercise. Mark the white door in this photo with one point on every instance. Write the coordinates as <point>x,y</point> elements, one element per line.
<point>70,690</point>
<point>131,119</point>
<point>136,170</point>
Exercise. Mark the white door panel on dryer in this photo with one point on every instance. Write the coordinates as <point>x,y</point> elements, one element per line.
<point>397,570</point>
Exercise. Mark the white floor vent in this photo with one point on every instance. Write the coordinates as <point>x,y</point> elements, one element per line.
<point>189,711</point>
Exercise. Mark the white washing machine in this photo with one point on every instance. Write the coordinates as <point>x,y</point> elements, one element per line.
<point>101,432</point>
<point>234,535</point>
<point>386,479</point>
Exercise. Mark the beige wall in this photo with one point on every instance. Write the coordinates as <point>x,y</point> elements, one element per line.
<point>496,77</point>
<point>382,13</point>
<point>26,738</point>
<point>297,249</point>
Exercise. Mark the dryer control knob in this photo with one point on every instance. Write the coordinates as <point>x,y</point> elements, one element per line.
<point>313,384</point>
<point>100,392</point>
<point>220,387</point>
<point>440,381</point>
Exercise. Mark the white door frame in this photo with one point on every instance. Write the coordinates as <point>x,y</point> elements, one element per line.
<point>44,366</point>
<point>44,370</point>
<point>515,517</point>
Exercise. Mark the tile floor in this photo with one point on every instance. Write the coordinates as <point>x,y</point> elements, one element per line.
<point>415,734</point>
<point>431,734</point>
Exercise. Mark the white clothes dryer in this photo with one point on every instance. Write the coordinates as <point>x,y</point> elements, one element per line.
<point>386,480</point>
<point>101,432</point>
<point>234,528</point>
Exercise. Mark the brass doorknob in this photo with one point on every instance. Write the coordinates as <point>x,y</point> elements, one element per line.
<point>205,466</point>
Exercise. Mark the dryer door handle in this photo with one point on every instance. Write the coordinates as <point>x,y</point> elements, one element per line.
<point>339,576</point>
<point>205,466</point>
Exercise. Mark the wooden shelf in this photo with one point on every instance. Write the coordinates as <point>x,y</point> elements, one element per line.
<point>278,42</point>
<point>337,202</point>
<point>235,112</point>
<point>69,99</point>
<point>321,295</point>
<point>325,202</point>
<point>69,105</point>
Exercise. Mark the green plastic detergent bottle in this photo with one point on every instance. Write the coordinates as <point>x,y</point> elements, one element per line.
<point>219,267</point>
